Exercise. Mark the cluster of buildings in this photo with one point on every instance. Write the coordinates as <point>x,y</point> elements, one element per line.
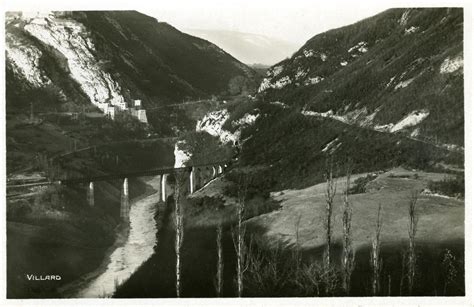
<point>136,110</point>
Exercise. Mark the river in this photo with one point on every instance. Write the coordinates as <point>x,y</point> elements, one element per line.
<point>137,248</point>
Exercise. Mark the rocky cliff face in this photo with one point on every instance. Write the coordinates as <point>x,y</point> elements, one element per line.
<point>214,123</point>
<point>400,71</point>
<point>71,39</point>
<point>111,59</point>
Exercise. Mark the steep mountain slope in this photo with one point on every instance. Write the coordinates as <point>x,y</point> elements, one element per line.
<point>399,71</point>
<point>384,92</point>
<point>247,47</point>
<point>122,64</point>
<point>113,58</point>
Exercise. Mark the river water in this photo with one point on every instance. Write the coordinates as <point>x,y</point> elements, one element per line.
<point>138,247</point>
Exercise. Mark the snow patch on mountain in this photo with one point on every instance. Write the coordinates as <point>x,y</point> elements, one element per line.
<point>313,80</point>
<point>71,39</point>
<point>343,63</point>
<point>362,118</point>
<point>310,113</point>
<point>274,71</point>
<point>390,82</point>
<point>361,47</point>
<point>451,65</point>
<point>411,29</point>
<point>308,53</point>
<point>404,19</point>
<point>301,73</point>
<point>383,128</point>
<point>415,133</point>
<point>280,83</point>
<point>279,104</point>
<point>247,119</point>
<point>332,146</point>
<point>264,85</point>
<point>404,84</point>
<point>328,114</point>
<point>412,119</point>
<point>25,59</point>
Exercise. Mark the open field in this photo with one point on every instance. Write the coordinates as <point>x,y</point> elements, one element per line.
<point>440,218</point>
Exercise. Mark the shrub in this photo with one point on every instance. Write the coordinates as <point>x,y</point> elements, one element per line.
<point>361,183</point>
<point>453,187</point>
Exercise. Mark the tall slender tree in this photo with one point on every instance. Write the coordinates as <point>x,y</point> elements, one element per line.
<point>220,262</point>
<point>375,261</point>
<point>179,225</point>
<point>239,237</point>
<point>330,193</point>
<point>412,228</point>
<point>348,253</point>
<point>331,188</point>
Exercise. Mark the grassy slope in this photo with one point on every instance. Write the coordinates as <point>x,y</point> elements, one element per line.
<point>440,219</point>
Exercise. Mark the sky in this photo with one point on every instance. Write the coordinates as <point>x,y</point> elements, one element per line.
<point>294,23</point>
<point>291,20</point>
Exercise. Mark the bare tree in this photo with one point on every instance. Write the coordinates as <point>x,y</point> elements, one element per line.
<point>330,193</point>
<point>239,238</point>
<point>297,252</point>
<point>449,268</point>
<point>412,228</point>
<point>348,254</point>
<point>179,226</point>
<point>219,282</point>
<point>375,261</point>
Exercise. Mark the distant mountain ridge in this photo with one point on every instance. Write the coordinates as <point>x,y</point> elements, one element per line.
<point>248,47</point>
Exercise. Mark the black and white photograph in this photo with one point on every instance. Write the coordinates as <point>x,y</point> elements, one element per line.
<point>249,149</point>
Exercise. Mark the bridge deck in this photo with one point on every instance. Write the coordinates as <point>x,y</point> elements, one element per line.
<point>141,173</point>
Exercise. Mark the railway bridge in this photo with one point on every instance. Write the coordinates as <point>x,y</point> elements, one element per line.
<point>195,177</point>
<point>192,177</point>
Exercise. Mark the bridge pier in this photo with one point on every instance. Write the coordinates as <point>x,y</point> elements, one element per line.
<point>90,194</point>
<point>163,187</point>
<point>214,172</point>
<point>124,203</point>
<point>219,170</point>
<point>191,181</point>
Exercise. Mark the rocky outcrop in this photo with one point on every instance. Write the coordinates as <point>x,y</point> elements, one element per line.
<point>181,154</point>
<point>24,60</point>
<point>213,124</point>
<point>71,40</point>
